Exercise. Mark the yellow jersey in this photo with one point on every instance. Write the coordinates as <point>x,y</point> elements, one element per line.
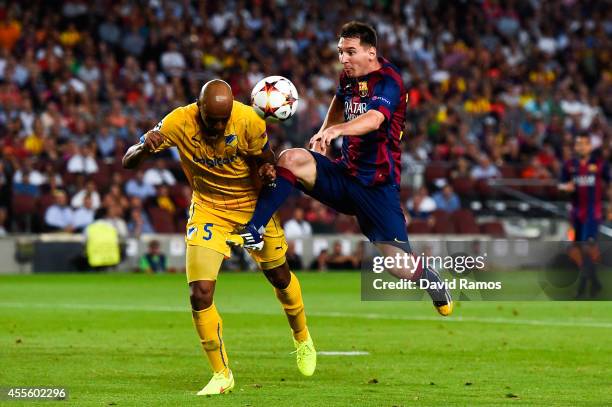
<point>219,170</point>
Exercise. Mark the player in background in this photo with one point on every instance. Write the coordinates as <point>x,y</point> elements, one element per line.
<point>585,176</point>
<point>368,110</point>
<point>219,140</point>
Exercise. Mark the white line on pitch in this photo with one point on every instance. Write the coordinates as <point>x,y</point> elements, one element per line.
<point>341,353</point>
<point>485,320</point>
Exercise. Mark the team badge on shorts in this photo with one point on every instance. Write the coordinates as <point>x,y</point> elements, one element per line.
<point>191,231</point>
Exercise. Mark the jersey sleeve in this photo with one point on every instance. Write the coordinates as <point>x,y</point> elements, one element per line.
<point>256,135</point>
<point>385,97</point>
<point>170,127</point>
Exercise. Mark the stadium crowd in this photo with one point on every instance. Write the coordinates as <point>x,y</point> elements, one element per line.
<point>495,89</point>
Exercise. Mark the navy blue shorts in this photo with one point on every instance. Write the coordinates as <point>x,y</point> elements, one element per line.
<point>585,231</point>
<point>377,208</point>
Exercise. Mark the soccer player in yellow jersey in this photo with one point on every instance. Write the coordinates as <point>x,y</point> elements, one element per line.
<point>223,148</point>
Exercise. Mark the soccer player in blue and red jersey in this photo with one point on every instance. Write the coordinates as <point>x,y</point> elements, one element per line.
<point>368,111</point>
<point>585,177</point>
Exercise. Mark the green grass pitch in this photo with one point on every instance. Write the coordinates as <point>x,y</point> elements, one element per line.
<point>122,339</point>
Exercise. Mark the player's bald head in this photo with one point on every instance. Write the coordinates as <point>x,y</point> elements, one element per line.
<point>216,99</point>
<point>215,103</point>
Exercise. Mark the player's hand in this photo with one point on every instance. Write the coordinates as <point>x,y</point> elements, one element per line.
<point>315,143</point>
<point>267,173</point>
<point>328,135</point>
<point>568,187</point>
<point>153,139</point>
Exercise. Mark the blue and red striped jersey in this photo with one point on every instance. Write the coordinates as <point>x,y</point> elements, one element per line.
<point>374,158</point>
<point>589,178</point>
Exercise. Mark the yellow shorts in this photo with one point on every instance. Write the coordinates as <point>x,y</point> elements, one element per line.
<point>208,227</point>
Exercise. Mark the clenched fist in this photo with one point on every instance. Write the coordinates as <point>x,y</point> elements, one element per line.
<point>153,139</point>
<point>267,173</point>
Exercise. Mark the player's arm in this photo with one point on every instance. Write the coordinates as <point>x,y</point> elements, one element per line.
<point>364,124</point>
<point>566,184</point>
<point>162,136</point>
<point>567,187</point>
<point>335,114</point>
<point>258,149</point>
<point>265,165</point>
<point>139,152</point>
<point>384,101</point>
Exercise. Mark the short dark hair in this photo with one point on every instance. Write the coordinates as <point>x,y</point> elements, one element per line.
<point>356,29</point>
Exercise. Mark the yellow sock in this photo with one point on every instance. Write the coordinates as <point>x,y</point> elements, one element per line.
<point>291,300</point>
<point>209,326</point>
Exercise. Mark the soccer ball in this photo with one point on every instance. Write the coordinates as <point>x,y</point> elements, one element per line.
<point>274,98</point>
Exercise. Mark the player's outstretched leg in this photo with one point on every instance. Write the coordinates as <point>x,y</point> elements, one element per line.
<point>202,269</point>
<point>439,294</point>
<point>289,293</point>
<point>441,297</point>
<point>293,165</point>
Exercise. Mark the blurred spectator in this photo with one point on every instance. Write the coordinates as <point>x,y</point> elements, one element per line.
<point>102,245</point>
<point>294,260</point>
<point>90,191</point>
<point>421,205</point>
<point>114,216</point>
<point>83,162</point>
<point>115,197</point>
<point>461,169</point>
<point>154,261</point>
<point>137,187</point>
<point>139,222</point>
<point>337,260</point>
<point>172,61</point>
<point>89,72</point>
<point>320,262</point>
<point>446,199</point>
<point>105,142</point>
<point>484,169</point>
<point>25,187</point>
<point>83,216</point>
<point>59,217</point>
<point>297,226</point>
<point>320,218</point>
<point>535,170</point>
<point>3,218</point>
<point>159,174</point>
<point>164,201</point>
<point>35,177</point>
<point>10,31</point>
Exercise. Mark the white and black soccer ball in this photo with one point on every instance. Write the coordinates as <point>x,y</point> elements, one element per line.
<point>274,98</point>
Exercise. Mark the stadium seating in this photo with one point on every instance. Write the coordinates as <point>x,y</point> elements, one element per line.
<point>162,220</point>
<point>494,228</point>
<point>418,227</point>
<point>465,222</point>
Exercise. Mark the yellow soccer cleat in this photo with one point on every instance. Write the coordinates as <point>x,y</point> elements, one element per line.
<point>444,309</point>
<point>219,384</point>
<point>306,356</point>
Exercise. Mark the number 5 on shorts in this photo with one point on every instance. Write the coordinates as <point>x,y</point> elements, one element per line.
<point>207,231</point>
